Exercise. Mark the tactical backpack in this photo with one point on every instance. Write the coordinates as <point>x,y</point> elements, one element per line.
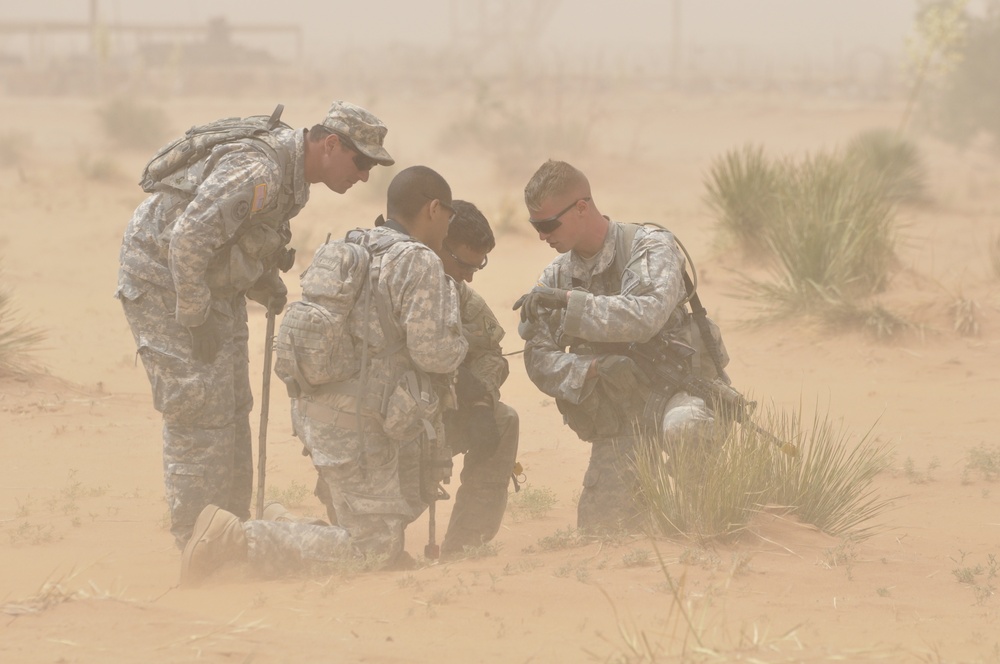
<point>313,344</point>
<point>198,141</point>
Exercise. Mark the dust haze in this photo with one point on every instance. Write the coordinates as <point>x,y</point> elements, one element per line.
<point>642,96</point>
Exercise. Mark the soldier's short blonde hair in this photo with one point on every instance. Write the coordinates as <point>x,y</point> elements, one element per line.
<point>554,178</point>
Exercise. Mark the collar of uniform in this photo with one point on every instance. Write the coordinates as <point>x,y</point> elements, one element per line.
<point>296,141</point>
<point>584,270</point>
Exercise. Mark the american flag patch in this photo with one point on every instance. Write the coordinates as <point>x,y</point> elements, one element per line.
<point>259,195</point>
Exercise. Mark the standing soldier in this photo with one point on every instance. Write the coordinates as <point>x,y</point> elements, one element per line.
<point>613,283</point>
<point>213,232</point>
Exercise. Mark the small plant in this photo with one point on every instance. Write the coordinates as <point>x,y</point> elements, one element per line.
<point>980,577</point>
<point>637,558</point>
<point>531,503</point>
<point>133,125</point>
<point>742,192</point>
<point>917,476</point>
<point>984,460</point>
<point>562,539</point>
<point>484,550</point>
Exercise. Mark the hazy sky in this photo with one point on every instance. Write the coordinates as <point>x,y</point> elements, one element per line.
<point>816,28</point>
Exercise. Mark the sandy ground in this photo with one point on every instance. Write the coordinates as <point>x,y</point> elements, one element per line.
<point>81,495</point>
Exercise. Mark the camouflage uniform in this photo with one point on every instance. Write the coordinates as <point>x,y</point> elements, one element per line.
<point>205,242</point>
<point>482,497</point>
<point>342,427</point>
<point>614,301</point>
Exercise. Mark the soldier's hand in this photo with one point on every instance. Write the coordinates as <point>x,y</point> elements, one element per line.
<point>538,298</point>
<point>206,339</point>
<point>484,436</point>
<point>621,374</point>
<point>276,303</point>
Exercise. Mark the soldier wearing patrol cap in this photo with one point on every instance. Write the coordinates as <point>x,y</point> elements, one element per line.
<point>213,232</point>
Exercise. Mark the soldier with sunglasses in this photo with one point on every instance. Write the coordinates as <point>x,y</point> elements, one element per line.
<point>612,284</point>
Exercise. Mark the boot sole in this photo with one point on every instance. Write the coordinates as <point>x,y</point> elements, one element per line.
<point>201,526</point>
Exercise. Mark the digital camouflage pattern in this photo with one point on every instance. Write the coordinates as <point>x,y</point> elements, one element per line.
<point>645,299</point>
<point>362,128</point>
<point>368,475</point>
<point>188,250</point>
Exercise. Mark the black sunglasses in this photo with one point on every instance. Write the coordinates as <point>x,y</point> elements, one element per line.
<point>468,267</point>
<point>549,224</point>
<point>361,161</point>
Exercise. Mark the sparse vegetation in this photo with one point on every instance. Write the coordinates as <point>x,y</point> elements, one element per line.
<point>824,224</point>
<point>742,192</point>
<point>130,124</point>
<point>983,460</point>
<point>290,496</point>
<point>979,577</point>
<point>17,339</point>
<point>531,503</point>
<point>916,476</point>
<point>707,495</point>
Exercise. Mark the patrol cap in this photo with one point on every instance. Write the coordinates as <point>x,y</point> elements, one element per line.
<point>361,128</point>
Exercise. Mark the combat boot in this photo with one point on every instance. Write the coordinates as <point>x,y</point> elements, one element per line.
<point>217,539</point>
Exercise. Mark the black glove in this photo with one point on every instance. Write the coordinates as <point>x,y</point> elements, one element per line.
<point>276,303</point>
<point>538,298</point>
<point>468,388</point>
<point>270,291</point>
<point>620,374</point>
<point>481,428</point>
<point>206,339</point>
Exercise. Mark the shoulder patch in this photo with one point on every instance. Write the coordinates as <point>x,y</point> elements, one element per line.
<point>259,196</point>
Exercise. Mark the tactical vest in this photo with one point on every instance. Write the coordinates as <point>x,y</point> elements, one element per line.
<point>601,415</point>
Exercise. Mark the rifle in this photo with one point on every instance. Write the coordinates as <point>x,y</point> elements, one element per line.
<point>667,362</point>
<point>435,470</point>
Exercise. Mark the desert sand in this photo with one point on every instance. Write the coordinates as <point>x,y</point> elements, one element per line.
<point>88,570</point>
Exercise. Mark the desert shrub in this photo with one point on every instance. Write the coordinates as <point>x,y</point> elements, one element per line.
<point>133,125</point>
<point>832,239</point>
<point>14,146</point>
<point>714,494</point>
<point>742,192</point>
<point>17,339</point>
<point>892,159</point>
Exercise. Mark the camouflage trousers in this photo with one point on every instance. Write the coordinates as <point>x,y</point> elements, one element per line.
<point>207,448</point>
<point>608,500</point>
<point>482,496</point>
<point>359,472</point>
